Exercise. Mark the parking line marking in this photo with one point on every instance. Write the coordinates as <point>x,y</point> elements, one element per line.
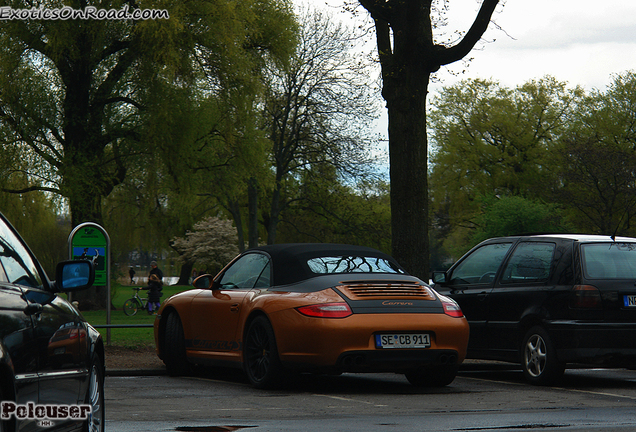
<point>348,399</point>
<point>598,393</point>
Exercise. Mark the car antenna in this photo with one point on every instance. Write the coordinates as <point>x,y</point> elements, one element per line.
<point>613,236</point>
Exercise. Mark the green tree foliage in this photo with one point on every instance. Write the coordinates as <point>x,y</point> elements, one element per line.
<point>200,132</point>
<point>70,100</point>
<point>329,211</point>
<point>556,158</point>
<point>514,215</point>
<point>82,100</point>
<point>214,146</point>
<point>92,107</point>
<point>492,140</point>
<point>596,160</point>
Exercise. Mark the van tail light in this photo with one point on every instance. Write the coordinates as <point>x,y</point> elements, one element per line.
<point>585,297</point>
<point>326,310</point>
<point>451,308</point>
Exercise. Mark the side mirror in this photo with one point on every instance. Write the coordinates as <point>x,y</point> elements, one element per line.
<point>74,275</point>
<point>439,277</point>
<point>205,281</point>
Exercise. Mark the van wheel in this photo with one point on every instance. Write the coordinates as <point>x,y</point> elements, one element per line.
<point>538,358</point>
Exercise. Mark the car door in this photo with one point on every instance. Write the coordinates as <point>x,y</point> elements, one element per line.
<point>216,312</point>
<point>470,282</point>
<point>56,377</point>
<point>521,290</point>
<point>17,345</point>
<point>62,348</point>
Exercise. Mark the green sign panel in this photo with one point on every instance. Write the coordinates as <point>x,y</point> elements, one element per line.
<point>90,242</point>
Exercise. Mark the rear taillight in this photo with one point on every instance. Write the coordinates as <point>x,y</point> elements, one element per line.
<point>451,308</point>
<point>327,310</point>
<point>585,297</point>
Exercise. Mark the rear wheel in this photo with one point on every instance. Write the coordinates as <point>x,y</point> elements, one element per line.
<point>174,352</point>
<point>261,361</point>
<point>95,397</point>
<point>432,377</point>
<point>538,358</point>
<point>131,306</point>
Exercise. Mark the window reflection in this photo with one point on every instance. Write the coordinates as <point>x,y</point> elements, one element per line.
<point>529,262</point>
<point>245,272</point>
<point>351,264</point>
<point>610,260</point>
<point>481,266</point>
<point>17,265</point>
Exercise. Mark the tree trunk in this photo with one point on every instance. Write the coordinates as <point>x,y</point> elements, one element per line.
<point>234,208</point>
<point>408,55</point>
<point>252,225</point>
<point>185,274</point>
<point>409,183</point>
<point>406,76</point>
<point>274,214</point>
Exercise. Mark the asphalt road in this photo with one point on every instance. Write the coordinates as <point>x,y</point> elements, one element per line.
<point>482,398</point>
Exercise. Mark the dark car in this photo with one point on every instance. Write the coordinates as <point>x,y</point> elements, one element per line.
<point>318,308</point>
<point>51,360</point>
<point>548,300</point>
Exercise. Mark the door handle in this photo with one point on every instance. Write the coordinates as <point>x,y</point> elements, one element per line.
<point>234,307</point>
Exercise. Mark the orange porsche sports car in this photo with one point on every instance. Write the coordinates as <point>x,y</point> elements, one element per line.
<point>320,308</point>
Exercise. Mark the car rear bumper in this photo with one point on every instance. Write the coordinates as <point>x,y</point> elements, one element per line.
<point>601,343</point>
<point>348,345</point>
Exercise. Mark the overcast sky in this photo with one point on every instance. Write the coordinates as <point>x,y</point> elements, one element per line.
<point>582,42</point>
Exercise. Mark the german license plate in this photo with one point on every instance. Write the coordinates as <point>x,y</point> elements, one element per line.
<point>630,300</point>
<point>398,340</point>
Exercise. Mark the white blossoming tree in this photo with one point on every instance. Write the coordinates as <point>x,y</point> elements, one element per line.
<point>208,247</point>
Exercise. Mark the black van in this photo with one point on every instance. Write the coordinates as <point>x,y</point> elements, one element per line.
<point>548,300</point>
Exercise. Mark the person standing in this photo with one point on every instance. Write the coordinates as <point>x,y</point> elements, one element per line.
<point>154,270</point>
<point>155,285</point>
<point>154,294</point>
<point>131,272</point>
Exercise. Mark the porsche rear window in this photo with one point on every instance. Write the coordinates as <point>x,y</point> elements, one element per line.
<point>351,264</point>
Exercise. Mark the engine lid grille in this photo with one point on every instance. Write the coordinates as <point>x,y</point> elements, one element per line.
<point>386,289</point>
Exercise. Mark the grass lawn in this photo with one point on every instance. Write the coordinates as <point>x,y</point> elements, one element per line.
<point>128,337</point>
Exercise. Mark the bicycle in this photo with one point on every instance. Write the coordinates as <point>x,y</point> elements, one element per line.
<point>133,304</point>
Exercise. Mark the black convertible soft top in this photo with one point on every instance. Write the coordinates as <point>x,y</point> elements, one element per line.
<point>289,261</point>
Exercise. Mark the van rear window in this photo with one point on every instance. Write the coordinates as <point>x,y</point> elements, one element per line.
<point>611,260</point>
